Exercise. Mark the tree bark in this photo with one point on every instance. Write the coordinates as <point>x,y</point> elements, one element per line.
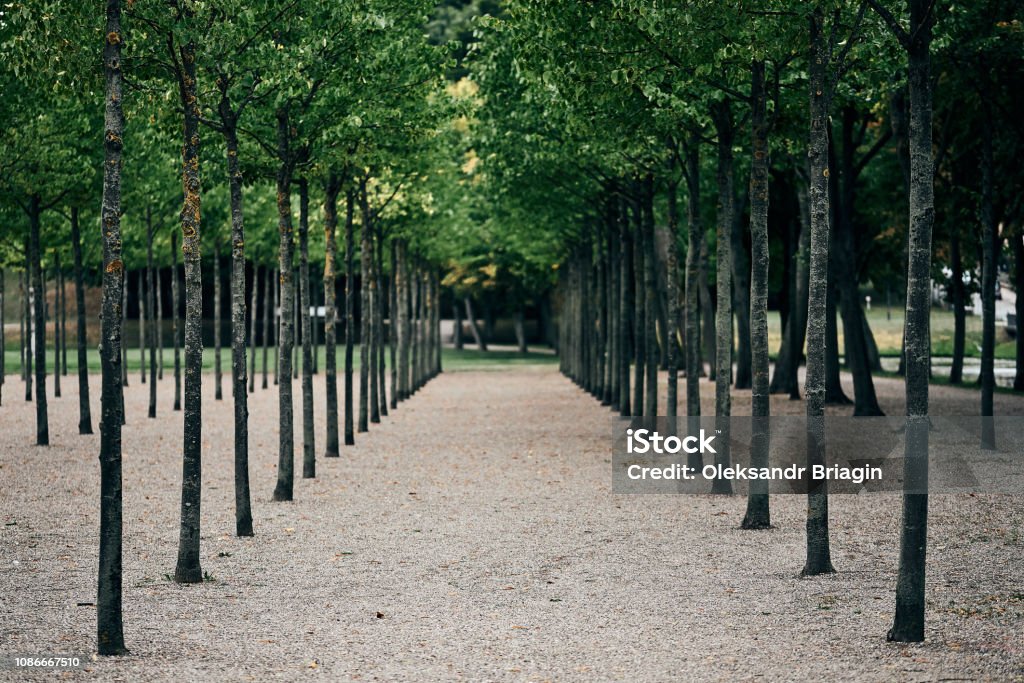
<point>908,625</point>
<point>672,285</point>
<point>473,327</point>
<point>39,324</point>
<point>724,127</point>
<point>217,371</point>
<point>283,490</point>
<point>158,326</point>
<point>308,429</point>
<point>267,333</point>
<point>84,410</point>
<point>741,297</point>
<point>393,322</point>
<point>331,190</point>
<point>402,285</point>
<point>989,263</point>
<point>175,326</point>
<point>650,299</point>
<point>150,310</point>
<point>456,324</point>
<point>349,316</point>
<point>845,262</point>
<point>626,312</point>
<point>256,272</point>
<point>758,514</point>
<point>23,336</point>
<point>188,569</point>
<point>364,310</point>
<point>56,324</point>
<point>243,505</point>
<point>29,314</point>
<point>109,624</point>
<point>380,310</point>
<point>143,341</point>
<point>639,311</point>
<point>819,308</point>
<point>957,294</point>
<point>834,394</point>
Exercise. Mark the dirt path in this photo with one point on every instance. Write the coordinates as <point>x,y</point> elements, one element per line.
<point>474,536</point>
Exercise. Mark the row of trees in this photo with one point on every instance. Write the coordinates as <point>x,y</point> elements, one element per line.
<point>598,120</point>
<point>327,102</point>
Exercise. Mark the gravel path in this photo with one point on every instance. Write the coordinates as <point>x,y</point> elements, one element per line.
<point>474,536</point>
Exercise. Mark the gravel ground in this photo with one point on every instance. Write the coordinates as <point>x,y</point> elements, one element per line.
<point>474,536</point>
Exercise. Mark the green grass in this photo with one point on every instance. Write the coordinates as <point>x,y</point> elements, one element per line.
<point>467,359</point>
<point>888,333</point>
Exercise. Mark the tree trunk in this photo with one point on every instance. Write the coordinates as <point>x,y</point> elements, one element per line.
<point>84,410</point>
<point>308,429</point>
<point>672,285</point>
<point>1018,287</point>
<point>267,333</point>
<point>819,308</point>
<point>378,329</point>
<point>456,324</point>
<point>365,250</point>
<point>639,312</point>
<point>23,338</point>
<point>276,284</point>
<point>296,314</point>
<point>109,628</point>
<point>150,309</point>
<point>956,288</point>
<point>243,505</point>
<point>284,488</point>
<point>29,344</point>
<point>158,327</point>
<point>844,259</point>
<point>722,115</point>
<point>143,341</point>
<point>331,190</point>
<point>256,271</point>
<point>834,394</point>
<point>175,326</point>
<point>989,264</point>
<point>650,298</point>
<point>519,323</point>
<point>314,295</point>
<point>402,285</point>
<point>42,420</point>
<point>393,322</point>
<point>56,324</point>
<point>909,620</point>
<point>798,333</point>
<point>350,438</point>
<point>63,318</point>
<point>612,316</point>
<point>695,228</point>
<point>626,312</point>
<point>758,514</point>
<point>188,569</point>
<point>217,372</point>
<point>473,327</point>
<point>707,313</point>
<point>741,297</point>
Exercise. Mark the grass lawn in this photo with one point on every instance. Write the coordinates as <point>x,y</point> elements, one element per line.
<point>467,359</point>
<point>888,331</point>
